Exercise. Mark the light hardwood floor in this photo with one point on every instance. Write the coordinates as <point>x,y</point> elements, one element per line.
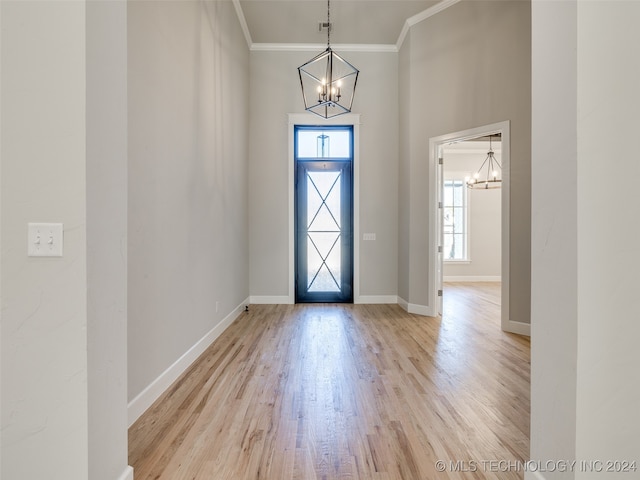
<point>347,392</point>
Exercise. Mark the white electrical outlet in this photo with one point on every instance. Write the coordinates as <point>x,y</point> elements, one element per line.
<point>44,239</point>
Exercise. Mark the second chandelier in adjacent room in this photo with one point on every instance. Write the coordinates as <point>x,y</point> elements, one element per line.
<point>489,175</point>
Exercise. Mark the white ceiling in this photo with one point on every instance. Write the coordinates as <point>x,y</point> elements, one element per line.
<point>355,22</point>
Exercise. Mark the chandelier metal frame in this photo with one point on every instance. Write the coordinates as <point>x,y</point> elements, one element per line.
<point>328,81</point>
<point>493,176</point>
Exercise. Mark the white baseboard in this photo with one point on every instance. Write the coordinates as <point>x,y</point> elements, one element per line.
<point>403,303</point>
<point>472,278</point>
<point>145,399</point>
<point>420,310</point>
<point>377,299</point>
<point>270,300</point>
<point>517,327</point>
<point>416,309</point>
<point>127,474</point>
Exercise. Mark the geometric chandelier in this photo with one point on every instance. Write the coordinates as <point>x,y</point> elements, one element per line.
<point>488,175</point>
<point>328,81</point>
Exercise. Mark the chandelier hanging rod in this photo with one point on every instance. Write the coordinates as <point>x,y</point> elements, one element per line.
<point>328,24</point>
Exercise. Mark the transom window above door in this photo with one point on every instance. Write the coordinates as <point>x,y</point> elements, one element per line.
<point>318,143</point>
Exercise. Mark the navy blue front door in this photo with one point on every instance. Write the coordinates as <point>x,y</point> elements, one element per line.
<point>324,216</point>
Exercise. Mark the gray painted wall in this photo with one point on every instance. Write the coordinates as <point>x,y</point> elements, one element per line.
<point>406,86</point>
<point>63,157</point>
<point>554,274</point>
<point>584,388</point>
<point>469,66</point>
<point>608,384</point>
<point>188,234</point>
<point>44,301</point>
<point>376,101</point>
<point>106,176</point>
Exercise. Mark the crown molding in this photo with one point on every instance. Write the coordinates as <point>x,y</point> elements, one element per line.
<point>403,34</point>
<point>243,23</point>
<point>430,12</point>
<point>371,48</point>
<point>422,16</point>
<point>320,47</point>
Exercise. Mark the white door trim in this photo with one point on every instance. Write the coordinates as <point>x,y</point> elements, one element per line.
<point>436,283</point>
<point>349,119</point>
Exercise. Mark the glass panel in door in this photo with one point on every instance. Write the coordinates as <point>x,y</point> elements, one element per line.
<point>324,243</point>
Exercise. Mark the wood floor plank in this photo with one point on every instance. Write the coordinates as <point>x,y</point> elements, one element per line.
<point>356,392</point>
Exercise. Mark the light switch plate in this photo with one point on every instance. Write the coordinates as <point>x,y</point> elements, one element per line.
<point>369,236</point>
<point>44,239</point>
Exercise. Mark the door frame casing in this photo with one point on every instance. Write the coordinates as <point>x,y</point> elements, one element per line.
<point>307,119</point>
<point>435,146</point>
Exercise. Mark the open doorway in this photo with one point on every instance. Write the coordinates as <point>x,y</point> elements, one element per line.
<point>440,148</point>
<point>471,218</point>
<point>471,228</point>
